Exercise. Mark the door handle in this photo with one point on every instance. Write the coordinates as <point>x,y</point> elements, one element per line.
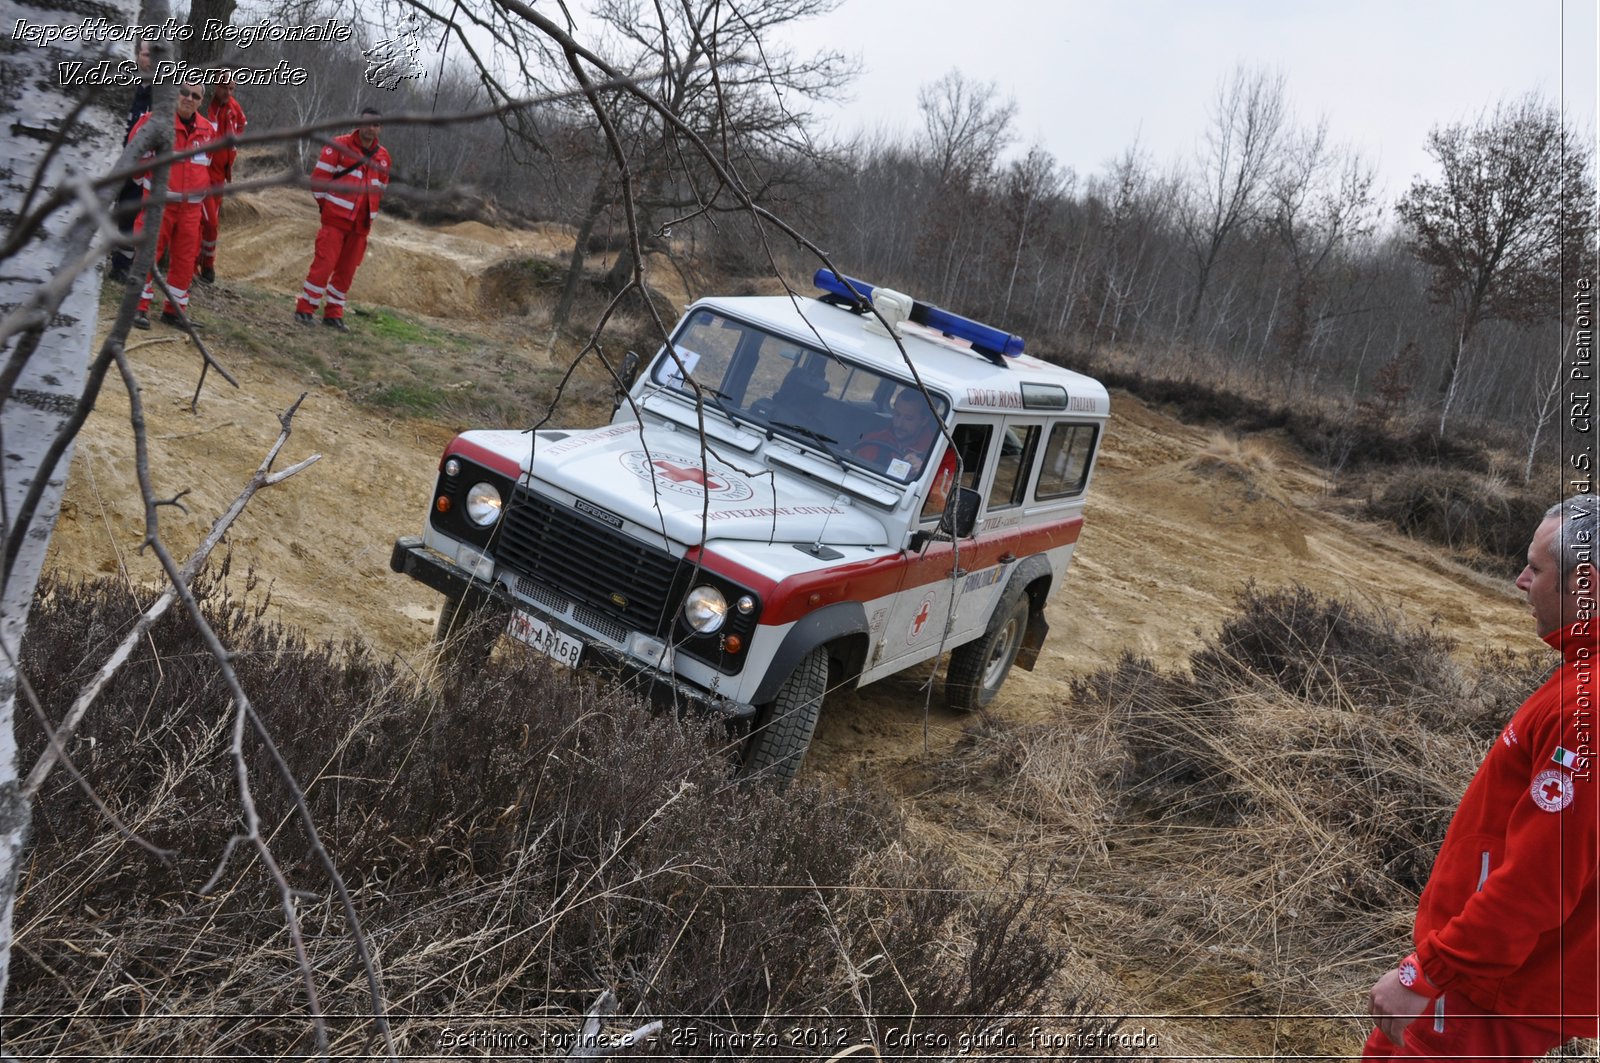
<point>1007,557</point>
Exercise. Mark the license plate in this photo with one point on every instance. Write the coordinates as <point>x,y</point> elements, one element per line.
<point>544,638</point>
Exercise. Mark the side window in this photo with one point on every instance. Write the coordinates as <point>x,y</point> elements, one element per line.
<point>972,446</point>
<point>1066,460</point>
<point>1016,461</point>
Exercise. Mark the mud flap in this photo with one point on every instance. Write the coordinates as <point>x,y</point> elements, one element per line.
<point>1032,641</point>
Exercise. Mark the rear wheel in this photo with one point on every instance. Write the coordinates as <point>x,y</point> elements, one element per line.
<point>978,669</point>
<point>783,728</point>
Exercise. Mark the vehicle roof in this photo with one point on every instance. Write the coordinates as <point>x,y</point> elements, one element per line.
<point>945,364</point>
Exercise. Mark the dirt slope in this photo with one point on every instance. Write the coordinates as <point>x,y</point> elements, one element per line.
<point>1167,543</point>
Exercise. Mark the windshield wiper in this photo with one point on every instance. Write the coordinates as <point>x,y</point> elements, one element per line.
<point>822,440</point>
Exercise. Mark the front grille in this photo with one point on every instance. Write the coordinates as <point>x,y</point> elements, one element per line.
<point>600,622</point>
<point>592,563</point>
<point>546,597</point>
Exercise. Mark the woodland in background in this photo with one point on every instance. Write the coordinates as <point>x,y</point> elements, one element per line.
<point>1269,261</point>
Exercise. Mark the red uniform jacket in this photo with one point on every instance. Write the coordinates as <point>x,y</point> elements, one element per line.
<point>191,177</point>
<point>344,173</point>
<point>228,118</point>
<point>1509,916</point>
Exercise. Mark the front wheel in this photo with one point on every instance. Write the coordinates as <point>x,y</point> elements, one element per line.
<point>978,669</point>
<point>783,728</point>
<point>466,634</point>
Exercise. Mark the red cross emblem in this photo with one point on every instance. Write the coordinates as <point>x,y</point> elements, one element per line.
<point>686,474</point>
<point>1551,790</point>
<point>921,618</point>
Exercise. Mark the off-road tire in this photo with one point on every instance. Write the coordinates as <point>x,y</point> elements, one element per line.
<point>466,636</point>
<point>978,669</point>
<point>782,731</point>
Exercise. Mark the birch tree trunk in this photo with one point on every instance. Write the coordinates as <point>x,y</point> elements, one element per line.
<point>49,306</point>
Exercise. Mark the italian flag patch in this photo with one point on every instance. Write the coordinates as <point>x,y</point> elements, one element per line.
<point>1568,759</point>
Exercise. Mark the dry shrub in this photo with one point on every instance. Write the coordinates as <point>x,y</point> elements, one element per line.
<point>1245,459</point>
<point>514,842</point>
<point>1336,436</point>
<point>1327,650</point>
<point>1175,734</point>
<point>1481,516</point>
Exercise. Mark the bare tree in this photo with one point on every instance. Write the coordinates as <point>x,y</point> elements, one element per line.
<point>1322,202</point>
<point>715,70</point>
<point>1030,185</point>
<point>52,143</point>
<point>202,48</point>
<point>1243,143</point>
<point>1507,216</point>
<point>967,126</point>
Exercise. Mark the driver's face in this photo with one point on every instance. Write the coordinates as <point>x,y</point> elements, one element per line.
<point>910,415</point>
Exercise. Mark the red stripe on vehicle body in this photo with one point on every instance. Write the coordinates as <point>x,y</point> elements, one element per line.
<point>787,600</point>
<point>465,448</point>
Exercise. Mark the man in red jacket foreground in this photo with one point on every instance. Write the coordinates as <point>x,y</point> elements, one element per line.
<point>1507,959</point>
<point>348,181</point>
<point>188,182</point>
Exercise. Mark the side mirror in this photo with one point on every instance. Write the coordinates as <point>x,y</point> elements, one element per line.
<point>627,372</point>
<point>961,514</point>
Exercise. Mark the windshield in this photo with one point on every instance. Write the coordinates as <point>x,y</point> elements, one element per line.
<point>856,414</point>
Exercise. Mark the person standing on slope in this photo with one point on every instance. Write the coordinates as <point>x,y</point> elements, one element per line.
<point>348,181</point>
<point>131,192</point>
<point>188,180</point>
<point>227,116</point>
<point>1507,960</point>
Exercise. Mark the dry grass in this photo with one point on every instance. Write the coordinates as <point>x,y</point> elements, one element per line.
<point>1258,821</point>
<point>515,842</point>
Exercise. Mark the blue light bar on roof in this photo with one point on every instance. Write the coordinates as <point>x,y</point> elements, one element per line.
<point>985,339</point>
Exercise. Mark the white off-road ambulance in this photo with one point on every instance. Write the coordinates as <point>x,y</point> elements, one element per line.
<point>796,494</point>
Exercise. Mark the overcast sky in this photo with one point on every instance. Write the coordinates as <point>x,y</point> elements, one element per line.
<point>1092,76</point>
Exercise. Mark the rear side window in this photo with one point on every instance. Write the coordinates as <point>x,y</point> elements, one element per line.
<point>1066,460</point>
<point>1016,461</point>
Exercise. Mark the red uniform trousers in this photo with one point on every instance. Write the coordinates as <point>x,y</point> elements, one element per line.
<point>1471,1035</point>
<point>210,218</point>
<point>340,247</point>
<point>180,241</point>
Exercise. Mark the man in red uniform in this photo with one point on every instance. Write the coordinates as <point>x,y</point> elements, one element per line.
<point>910,433</point>
<point>348,181</point>
<point>1507,960</point>
<point>227,116</point>
<point>187,183</point>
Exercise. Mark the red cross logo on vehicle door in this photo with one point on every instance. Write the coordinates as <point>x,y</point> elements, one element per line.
<point>919,621</point>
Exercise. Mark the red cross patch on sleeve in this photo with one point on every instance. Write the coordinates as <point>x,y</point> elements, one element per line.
<point>1551,790</point>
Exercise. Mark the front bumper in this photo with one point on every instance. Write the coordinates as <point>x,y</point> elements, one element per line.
<point>411,558</point>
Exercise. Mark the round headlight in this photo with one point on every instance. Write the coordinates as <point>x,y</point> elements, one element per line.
<point>705,608</point>
<point>483,504</point>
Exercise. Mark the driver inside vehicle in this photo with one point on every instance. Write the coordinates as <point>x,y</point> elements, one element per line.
<point>908,437</point>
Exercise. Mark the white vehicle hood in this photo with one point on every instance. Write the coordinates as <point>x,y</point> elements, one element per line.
<point>657,479</point>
